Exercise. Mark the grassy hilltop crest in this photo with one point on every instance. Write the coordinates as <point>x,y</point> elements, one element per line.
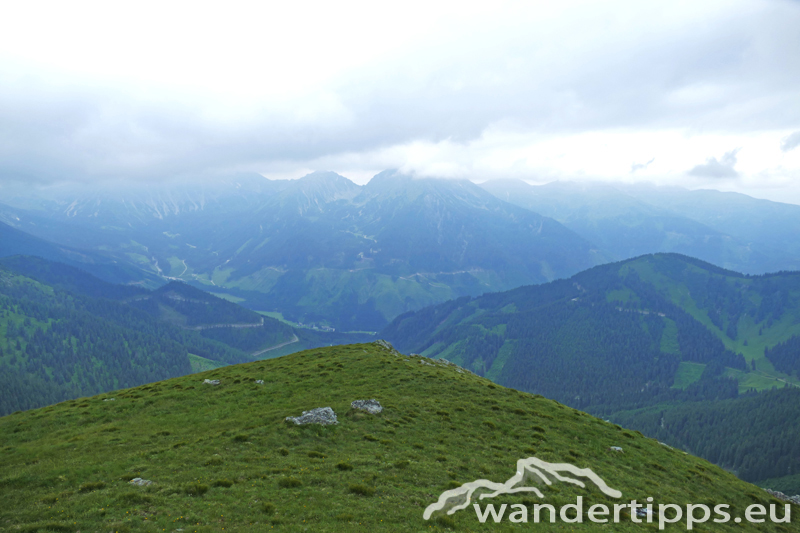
<point>224,457</point>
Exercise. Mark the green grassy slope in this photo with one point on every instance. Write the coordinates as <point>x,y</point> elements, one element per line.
<point>223,456</point>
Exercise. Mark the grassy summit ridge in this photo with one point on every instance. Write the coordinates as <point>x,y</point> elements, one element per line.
<point>223,456</point>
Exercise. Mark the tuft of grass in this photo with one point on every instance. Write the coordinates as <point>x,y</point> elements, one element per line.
<point>53,498</point>
<point>361,489</point>
<point>268,507</point>
<point>46,526</point>
<point>241,437</point>
<point>195,489</point>
<point>92,485</point>
<point>225,483</point>
<point>316,455</point>
<point>289,483</point>
<point>134,498</point>
<point>343,466</point>
<point>445,522</point>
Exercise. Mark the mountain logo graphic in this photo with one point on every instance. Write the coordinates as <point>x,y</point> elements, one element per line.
<point>530,471</point>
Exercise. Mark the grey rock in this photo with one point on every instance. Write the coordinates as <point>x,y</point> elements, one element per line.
<point>260,381</point>
<point>643,512</point>
<point>386,345</point>
<point>783,497</point>
<point>373,407</point>
<point>211,381</point>
<point>460,370</point>
<point>139,482</point>
<point>109,399</point>
<point>321,415</point>
<point>615,448</point>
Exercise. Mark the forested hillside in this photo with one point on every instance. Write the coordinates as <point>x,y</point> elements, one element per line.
<point>786,356</point>
<point>67,334</point>
<point>754,436</point>
<point>14,242</point>
<point>663,330</point>
<point>620,334</point>
<point>176,303</point>
<point>56,345</point>
<point>183,305</point>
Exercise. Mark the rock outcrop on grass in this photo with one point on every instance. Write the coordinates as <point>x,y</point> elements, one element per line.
<point>386,345</point>
<point>783,497</point>
<point>321,415</point>
<point>373,406</point>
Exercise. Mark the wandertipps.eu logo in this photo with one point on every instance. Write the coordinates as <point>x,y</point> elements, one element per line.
<point>533,471</point>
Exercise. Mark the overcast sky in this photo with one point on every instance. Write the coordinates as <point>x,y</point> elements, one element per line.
<point>699,94</point>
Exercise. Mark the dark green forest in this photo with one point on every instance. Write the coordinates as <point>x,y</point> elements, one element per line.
<point>67,334</point>
<point>57,345</point>
<point>569,341</point>
<point>786,355</point>
<point>184,305</point>
<point>755,435</point>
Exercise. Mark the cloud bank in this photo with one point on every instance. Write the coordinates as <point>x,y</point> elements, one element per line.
<point>96,92</point>
<point>717,169</point>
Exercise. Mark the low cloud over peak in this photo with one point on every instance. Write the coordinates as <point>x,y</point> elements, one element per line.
<point>527,90</point>
<point>717,169</point>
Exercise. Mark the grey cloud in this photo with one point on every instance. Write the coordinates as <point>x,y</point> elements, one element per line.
<point>641,166</point>
<point>790,142</point>
<point>534,79</point>
<point>717,169</point>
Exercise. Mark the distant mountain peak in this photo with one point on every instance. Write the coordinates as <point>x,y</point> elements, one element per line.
<point>323,175</point>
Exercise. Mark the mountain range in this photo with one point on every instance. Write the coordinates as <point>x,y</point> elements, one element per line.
<point>321,248</point>
<point>508,280</point>
<point>728,229</point>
